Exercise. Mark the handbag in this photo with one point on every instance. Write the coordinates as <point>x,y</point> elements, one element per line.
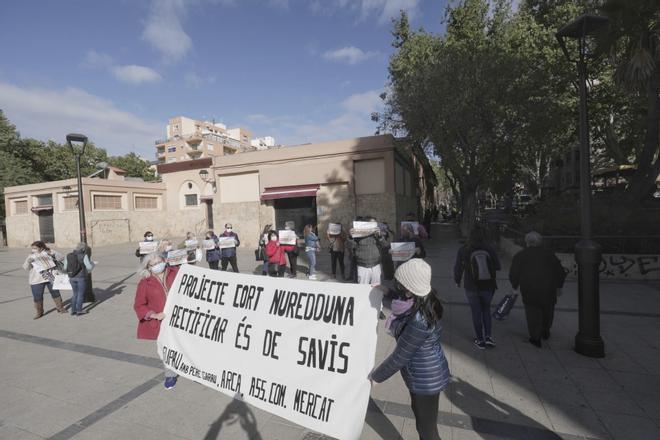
<point>504,307</point>
<point>259,254</point>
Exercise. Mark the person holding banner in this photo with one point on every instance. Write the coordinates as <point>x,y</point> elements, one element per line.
<point>337,239</point>
<point>421,231</point>
<point>156,278</point>
<point>148,236</point>
<point>164,247</point>
<point>228,254</point>
<point>312,246</point>
<point>418,353</point>
<point>213,255</point>
<point>275,255</point>
<point>41,263</point>
<point>408,236</point>
<point>291,250</point>
<point>77,265</point>
<point>366,250</point>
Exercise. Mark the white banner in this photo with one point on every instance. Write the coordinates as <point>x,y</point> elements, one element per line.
<point>299,349</point>
<point>208,245</point>
<point>192,244</point>
<point>177,257</point>
<point>287,237</point>
<point>226,242</point>
<point>413,225</point>
<point>148,247</point>
<point>334,229</point>
<point>402,251</point>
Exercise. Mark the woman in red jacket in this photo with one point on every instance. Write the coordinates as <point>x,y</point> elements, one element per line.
<point>150,296</point>
<point>276,256</point>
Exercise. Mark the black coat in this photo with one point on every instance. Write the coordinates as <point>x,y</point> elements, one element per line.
<point>538,273</point>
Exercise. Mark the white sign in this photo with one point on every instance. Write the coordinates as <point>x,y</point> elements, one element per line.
<point>363,229</point>
<point>334,229</point>
<point>191,245</point>
<point>226,242</point>
<point>62,282</point>
<point>148,247</point>
<point>288,237</point>
<point>413,225</point>
<point>177,257</point>
<point>42,261</point>
<point>402,251</point>
<point>297,349</point>
<point>208,245</point>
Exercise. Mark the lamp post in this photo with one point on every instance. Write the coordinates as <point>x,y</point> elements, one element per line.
<point>77,143</point>
<point>587,252</point>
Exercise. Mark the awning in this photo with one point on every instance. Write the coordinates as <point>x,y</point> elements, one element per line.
<point>287,192</point>
<point>42,208</point>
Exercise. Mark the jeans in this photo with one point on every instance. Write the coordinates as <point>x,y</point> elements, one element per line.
<point>337,257</point>
<point>264,268</point>
<point>78,285</point>
<point>311,256</point>
<point>38,291</point>
<point>232,261</point>
<point>480,306</point>
<point>425,408</point>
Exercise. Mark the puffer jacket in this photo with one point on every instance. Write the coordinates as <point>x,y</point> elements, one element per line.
<point>367,250</point>
<point>418,355</point>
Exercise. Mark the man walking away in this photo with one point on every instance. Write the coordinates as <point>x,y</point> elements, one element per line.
<point>539,274</point>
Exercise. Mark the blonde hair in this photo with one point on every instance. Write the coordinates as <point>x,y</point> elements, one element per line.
<point>162,245</point>
<point>143,270</point>
<point>308,229</point>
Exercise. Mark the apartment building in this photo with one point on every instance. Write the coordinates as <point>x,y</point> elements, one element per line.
<point>189,139</point>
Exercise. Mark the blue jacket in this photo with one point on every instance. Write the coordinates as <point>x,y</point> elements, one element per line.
<point>418,355</point>
<point>230,252</point>
<point>213,254</point>
<point>311,241</point>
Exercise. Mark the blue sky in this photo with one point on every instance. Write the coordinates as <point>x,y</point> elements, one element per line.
<point>298,70</point>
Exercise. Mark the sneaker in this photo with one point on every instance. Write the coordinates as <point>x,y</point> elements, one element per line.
<point>82,312</point>
<point>489,342</point>
<point>170,382</point>
<point>479,344</point>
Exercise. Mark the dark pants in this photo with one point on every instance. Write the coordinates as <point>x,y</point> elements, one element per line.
<point>213,265</point>
<point>38,291</point>
<point>353,275</point>
<point>425,408</point>
<point>78,286</point>
<point>337,257</point>
<point>276,270</point>
<point>293,261</point>
<point>539,320</point>
<point>231,260</point>
<point>480,306</point>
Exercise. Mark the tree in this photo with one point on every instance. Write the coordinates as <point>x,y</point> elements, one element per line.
<point>134,166</point>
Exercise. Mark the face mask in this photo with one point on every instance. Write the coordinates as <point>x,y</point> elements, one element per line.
<point>228,229</point>
<point>273,238</point>
<point>158,268</point>
<point>149,238</point>
<point>35,251</point>
<point>168,248</point>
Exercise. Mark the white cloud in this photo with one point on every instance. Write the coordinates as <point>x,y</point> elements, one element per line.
<point>51,114</point>
<point>349,54</point>
<point>133,74</point>
<point>194,81</point>
<point>384,10</point>
<point>97,60</point>
<point>164,30</point>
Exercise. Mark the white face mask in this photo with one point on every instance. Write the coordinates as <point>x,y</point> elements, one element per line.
<point>228,229</point>
<point>35,251</point>
<point>158,268</point>
<point>273,238</point>
<point>149,238</point>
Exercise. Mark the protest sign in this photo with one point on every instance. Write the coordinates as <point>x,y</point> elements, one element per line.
<point>297,349</point>
<point>62,282</point>
<point>191,245</point>
<point>226,242</point>
<point>148,247</point>
<point>402,251</point>
<point>363,229</point>
<point>288,237</point>
<point>208,245</point>
<point>177,257</point>
<point>42,261</point>
<point>334,229</point>
<point>413,225</point>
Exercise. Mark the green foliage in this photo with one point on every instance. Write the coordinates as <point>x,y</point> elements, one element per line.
<point>134,166</point>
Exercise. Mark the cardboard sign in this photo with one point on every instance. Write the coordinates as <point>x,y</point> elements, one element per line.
<point>208,245</point>
<point>177,257</point>
<point>288,237</point>
<point>226,242</point>
<point>334,229</point>
<point>298,349</point>
<point>402,251</point>
<point>192,244</point>
<point>62,282</point>
<point>42,261</point>
<point>363,229</point>
<point>414,225</point>
<point>148,247</point>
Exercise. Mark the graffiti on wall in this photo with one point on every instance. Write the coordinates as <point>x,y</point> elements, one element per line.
<point>619,266</point>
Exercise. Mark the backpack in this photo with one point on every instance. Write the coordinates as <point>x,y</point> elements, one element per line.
<point>480,265</point>
<point>74,264</point>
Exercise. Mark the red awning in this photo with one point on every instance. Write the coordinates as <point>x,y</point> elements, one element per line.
<point>287,192</point>
<point>42,208</point>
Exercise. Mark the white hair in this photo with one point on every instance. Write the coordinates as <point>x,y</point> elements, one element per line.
<point>143,269</point>
<point>533,239</point>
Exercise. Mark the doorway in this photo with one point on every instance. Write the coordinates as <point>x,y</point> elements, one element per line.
<point>301,210</point>
<point>46,227</point>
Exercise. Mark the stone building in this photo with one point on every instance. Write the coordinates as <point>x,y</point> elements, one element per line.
<point>313,183</point>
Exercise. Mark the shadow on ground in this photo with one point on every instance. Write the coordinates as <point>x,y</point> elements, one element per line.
<point>236,411</point>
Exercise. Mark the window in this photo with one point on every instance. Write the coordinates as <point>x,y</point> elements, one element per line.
<point>209,147</point>
<point>191,200</point>
<point>44,199</point>
<point>146,202</point>
<point>20,207</point>
<point>171,149</point>
<point>70,203</point>
<point>107,202</point>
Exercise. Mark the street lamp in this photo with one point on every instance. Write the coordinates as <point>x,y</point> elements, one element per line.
<point>587,252</point>
<point>77,143</point>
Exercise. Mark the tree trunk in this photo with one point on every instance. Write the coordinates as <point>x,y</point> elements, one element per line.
<point>468,208</point>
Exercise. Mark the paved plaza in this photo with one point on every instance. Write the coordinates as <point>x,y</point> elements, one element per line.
<point>89,377</point>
